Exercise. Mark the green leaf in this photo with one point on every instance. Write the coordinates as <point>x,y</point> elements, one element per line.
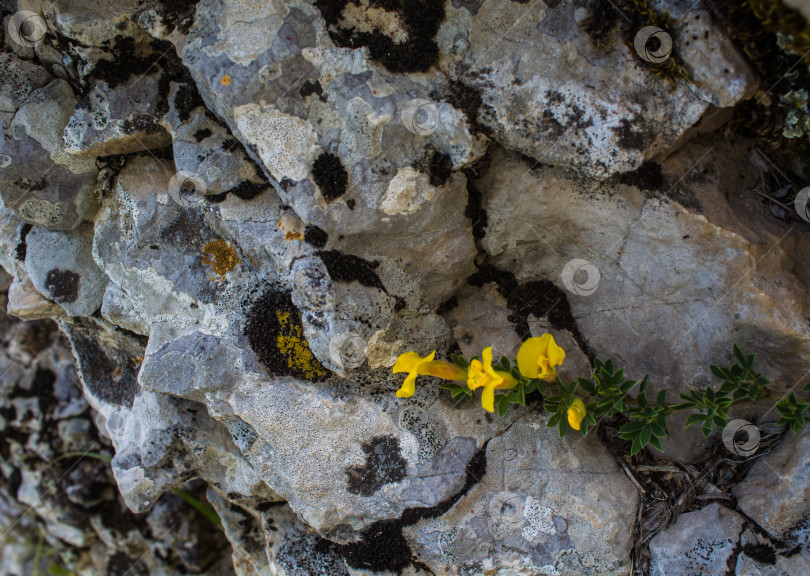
<point>661,399</point>
<point>635,448</point>
<point>551,407</point>
<point>631,427</point>
<point>586,385</point>
<point>459,360</point>
<point>644,436</point>
<point>739,394</point>
<point>750,361</point>
<point>719,372</point>
<point>740,356</point>
<point>658,430</point>
<point>562,426</point>
<point>694,419</point>
<point>502,408</point>
<point>707,427</point>
<point>554,420</point>
<point>656,443</point>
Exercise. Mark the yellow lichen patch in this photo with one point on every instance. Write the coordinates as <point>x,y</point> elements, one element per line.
<point>225,80</point>
<point>292,345</point>
<point>292,236</point>
<point>221,256</point>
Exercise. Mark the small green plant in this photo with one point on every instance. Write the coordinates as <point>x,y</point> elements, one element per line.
<point>606,393</point>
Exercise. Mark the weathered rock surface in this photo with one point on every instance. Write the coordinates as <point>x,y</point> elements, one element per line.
<point>643,281</point>
<point>242,212</point>
<point>545,505</point>
<point>785,470</point>
<point>717,540</point>
<point>39,179</point>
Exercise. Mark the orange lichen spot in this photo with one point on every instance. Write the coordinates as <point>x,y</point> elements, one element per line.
<point>221,256</point>
<point>225,80</point>
<point>292,345</point>
<point>293,236</point>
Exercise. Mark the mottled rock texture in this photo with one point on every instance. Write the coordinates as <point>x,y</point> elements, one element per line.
<point>239,213</point>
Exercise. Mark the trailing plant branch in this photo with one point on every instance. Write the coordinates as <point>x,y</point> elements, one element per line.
<point>604,394</point>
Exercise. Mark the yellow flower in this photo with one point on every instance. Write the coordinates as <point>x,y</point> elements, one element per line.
<point>415,365</point>
<point>538,358</point>
<point>482,374</point>
<point>576,413</point>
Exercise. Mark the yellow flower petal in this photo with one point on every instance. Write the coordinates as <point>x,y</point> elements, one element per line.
<point>408,362</point>
<point>475,375</point>
<point>488,399</point>
<point>408,387</point>
<point>443,369</point>
<point>486,356</point>
<point>507,380</point>
<point>527,357</point>
<point>576,413</point>
<point>554,353</point>
<point>538,356</point>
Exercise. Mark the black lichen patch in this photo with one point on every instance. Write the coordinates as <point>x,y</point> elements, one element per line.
<point>648,176</point>
<point>202,133</point>
<point>441,167</point>
<point>310,87</point>
<point>384,464</point>
<point>330,176</point>
<point>108,374</point>
<point>421,20</point>
<point>21,249</point>
<point>31,185</point>
<point>186,99</point>
<point>316,237</point>
<point>468,99</point>
<point>383,547</point>
<point>176,15</point>
<point>63,285</point>
<point>310,555</point>
<point>760,552</point>
<point>247,190</point>
<point>275,333</point>
<point>629,138</point>
<point>475,210</point>
<point>348,268</point>
<point>539,298</point>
